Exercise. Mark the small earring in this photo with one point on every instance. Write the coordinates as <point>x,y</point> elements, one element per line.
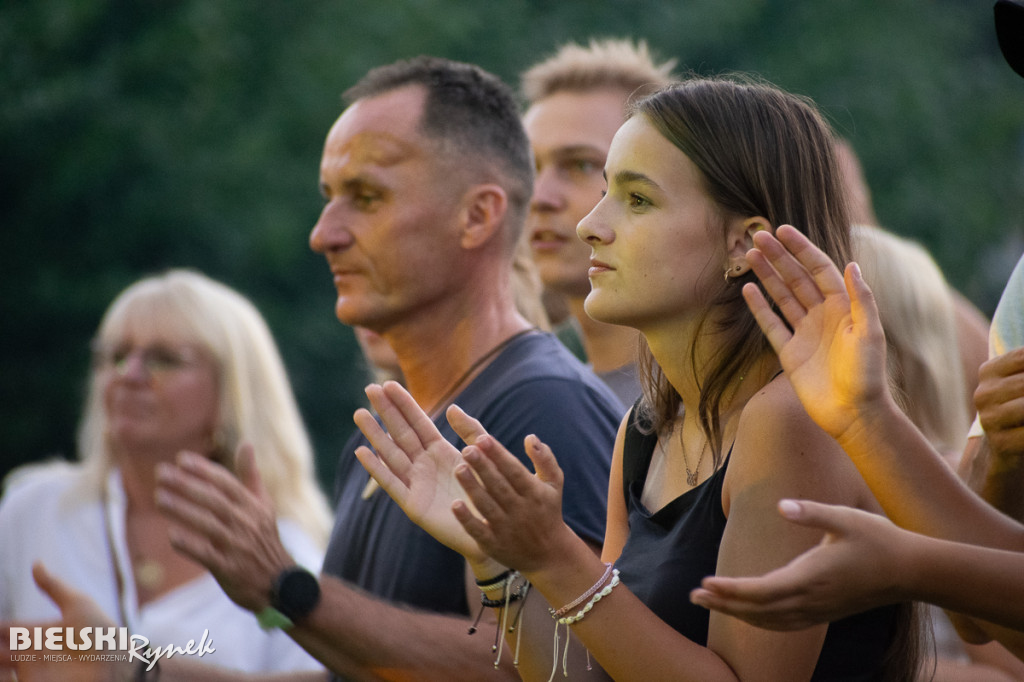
<point>729,271</point>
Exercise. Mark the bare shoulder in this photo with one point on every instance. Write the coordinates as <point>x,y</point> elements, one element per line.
<point>779,448</point>
<point>774,416</point>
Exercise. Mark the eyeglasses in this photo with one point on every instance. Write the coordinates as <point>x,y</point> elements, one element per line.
<point>158,361</point>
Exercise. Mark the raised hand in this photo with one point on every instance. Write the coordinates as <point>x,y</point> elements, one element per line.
<point>848,572</point>
<point>518,519</point>
<point>415,465</point>
<point>77,611</point>
<point>227,524</point>
<point>834,348</point>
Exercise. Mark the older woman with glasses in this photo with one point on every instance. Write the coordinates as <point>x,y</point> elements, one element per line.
<point>180,363</point>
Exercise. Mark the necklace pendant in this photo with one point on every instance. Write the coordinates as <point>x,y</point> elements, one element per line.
<point>691,478</point>
<point>149,574</point>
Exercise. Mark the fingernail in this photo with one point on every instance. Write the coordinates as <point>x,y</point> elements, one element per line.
<point>856,270</point>
<point>188,460</point>
<point>789,508</point>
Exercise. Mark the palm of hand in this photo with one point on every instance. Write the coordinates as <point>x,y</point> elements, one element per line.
<point>833,364</point>
<point>415,464</point>
<point>431,490</point>
<point>843,573</point>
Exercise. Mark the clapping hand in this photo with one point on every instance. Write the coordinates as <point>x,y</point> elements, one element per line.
<point>482,502</point>
<point>226,523</point>
<point>518,518</point>
<point>415,465</point>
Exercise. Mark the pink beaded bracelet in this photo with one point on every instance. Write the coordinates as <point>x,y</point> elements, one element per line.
<point>569,620</point>
<point>585,596</point>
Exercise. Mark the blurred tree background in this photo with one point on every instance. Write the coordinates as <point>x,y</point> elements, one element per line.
<point>137,135</point>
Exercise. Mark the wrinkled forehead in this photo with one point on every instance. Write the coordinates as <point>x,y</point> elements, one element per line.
<point>366,148</point>
<point>382,131</point>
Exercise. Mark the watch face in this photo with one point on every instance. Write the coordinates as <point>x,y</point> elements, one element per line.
<point>297,592</point>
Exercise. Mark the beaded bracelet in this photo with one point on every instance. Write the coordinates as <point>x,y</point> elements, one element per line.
<point>498,583</point>
<point>504,601</point>
<point>556,614</point>
<point>503,583</point>
<point>593,600</point>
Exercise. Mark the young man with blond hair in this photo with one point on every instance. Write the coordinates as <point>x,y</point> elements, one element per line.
<point>577,100</point>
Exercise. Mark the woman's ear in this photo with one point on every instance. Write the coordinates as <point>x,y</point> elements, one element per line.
<point>740,239</point>
<point>482,215</point>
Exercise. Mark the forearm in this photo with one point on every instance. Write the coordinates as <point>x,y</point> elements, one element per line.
<point>532,644</point>
<point>916,488</point>
<point>363,638</point>
<point>994,591</point>
<point>999,479</point>
<point>621,633</point>
<point>529,630</point>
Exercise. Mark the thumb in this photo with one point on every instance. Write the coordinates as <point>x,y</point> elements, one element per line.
<point>60,592</point>
<point>469,429</point>
<point>247,472</point>
<point>826,517</point>
<point>544,462</point>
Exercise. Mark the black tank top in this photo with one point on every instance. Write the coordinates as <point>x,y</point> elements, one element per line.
<point>670,551</point>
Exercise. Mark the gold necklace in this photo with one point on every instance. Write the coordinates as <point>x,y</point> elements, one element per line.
<point>691,476</point>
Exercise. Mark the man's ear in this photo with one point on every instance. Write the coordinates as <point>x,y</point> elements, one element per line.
<point>740,239</point>
<point>482,215</point>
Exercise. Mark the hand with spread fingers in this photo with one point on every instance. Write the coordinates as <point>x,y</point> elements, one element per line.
<point>501,510</point>
<point>849,571</point>
<point>415,465</point>
<point>519,514</point>
<point>834,348</point>
<point>225,523</point>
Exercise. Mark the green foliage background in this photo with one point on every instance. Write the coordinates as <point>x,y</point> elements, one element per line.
<point>141,134</point>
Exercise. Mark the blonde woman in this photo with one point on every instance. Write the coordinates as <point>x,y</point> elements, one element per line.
<point>181,362</point>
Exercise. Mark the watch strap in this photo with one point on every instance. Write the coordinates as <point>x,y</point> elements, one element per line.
<point>270,618</point>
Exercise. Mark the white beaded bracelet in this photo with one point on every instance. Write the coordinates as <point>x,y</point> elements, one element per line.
<point>569,620</point>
